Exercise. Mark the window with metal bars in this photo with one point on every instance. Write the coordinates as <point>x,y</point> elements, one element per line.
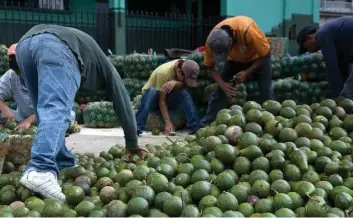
<point>39,4</point>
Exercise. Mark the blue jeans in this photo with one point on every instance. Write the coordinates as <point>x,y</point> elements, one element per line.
<point>51,74</point>
<point>347,91</point>
<point>182,97</point>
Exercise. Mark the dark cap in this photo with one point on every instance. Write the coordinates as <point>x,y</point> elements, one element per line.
<point>218,41</point>
<point>301,37</point>
<point>191,71</point>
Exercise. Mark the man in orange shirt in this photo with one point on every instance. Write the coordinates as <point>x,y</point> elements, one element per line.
<point>239,42</point>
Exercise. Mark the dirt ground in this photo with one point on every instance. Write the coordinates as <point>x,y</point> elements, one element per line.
<point>97,140</point>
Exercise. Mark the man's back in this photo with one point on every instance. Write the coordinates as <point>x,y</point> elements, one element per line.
<point>92,59</point>
<point>162,74</point>
<point>341,31</point>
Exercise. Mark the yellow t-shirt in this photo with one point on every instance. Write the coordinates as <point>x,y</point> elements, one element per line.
<point>161,75</point>
<point>250,44</point>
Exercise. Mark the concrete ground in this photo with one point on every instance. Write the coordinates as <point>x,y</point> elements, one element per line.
<point>97,140</point>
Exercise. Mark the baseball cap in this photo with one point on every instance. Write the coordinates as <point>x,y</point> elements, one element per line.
<point>218,41</point>
<point>12,49</point>
<point>301,37</point>
<point>191,71</point>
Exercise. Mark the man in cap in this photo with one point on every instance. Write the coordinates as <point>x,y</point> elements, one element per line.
<point>53,60</point>
<point>165,89</point>
<point>11,85</point>
<point>335,40</point>
<point>239,42</point>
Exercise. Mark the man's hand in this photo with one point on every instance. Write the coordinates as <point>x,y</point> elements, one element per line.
<point>169,127</point>
<point>8,115</point>
<point>229,90</point>
<point>169,86</point>
<point>241,77</point>
<point>23,125</point>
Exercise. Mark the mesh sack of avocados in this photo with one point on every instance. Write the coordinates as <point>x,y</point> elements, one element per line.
<point>84,97</point>
<point>20,148</point>
<point>100,115</point>
<point>4,148</point>
<point>134,86</point>
<point>4,60</point>
<point>140,66</point>
<point>278,46</point>
<point>156,121</point>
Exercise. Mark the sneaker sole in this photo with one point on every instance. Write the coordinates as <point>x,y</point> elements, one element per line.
<point>31,187</point>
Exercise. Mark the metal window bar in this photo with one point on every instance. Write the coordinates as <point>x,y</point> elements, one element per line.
<point>336,6</point>
<point>146,30</point>
<point>17,22</point>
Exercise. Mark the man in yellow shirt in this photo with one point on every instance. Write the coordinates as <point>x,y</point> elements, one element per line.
<point>166,89</point>
<point>239,42</point>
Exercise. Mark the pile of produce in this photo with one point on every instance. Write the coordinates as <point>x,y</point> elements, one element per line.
<point>134,86</point>
<point>84,97</point>
<point>269,160</point>
<point>100,115</point>
<point>141,65</point>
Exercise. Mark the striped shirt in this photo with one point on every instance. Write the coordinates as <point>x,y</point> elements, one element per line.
<point>12,86</point>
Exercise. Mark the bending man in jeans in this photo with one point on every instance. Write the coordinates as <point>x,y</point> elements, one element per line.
<point>165,89</point>
<point>12,85</point>
<point>53,60</point>
<point>335,40</point>
<point>239,42</point>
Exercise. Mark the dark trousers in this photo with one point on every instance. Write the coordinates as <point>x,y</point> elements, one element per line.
<point>341,85</point>
<point>218,99</point>
<point>176,98</point>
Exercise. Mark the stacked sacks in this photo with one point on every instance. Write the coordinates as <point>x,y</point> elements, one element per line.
<point>134,86</point>
<point>278,46</point>
<point>284,89</point>
<point>141,66</point>
<point>4,60</point>
<point>118,63</point>
<point>319,91</point>
<point>310,67</point>
<point>276,67</point>
<point>100,115</point>
<point>252,90</point>
<point>84,97</point>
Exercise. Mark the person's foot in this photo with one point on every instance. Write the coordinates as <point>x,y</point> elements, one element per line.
<point>43,183</point>
<point>139,132</point>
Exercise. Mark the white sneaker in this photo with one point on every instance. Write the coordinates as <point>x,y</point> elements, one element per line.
<point>44,183</point>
